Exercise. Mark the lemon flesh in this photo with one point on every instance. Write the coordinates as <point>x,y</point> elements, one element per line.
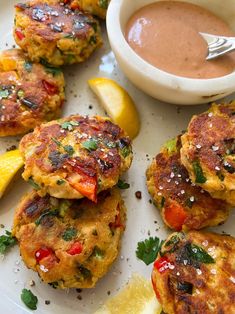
<point>10,163</point>
<point>136,298</point>
<point>117,103</point>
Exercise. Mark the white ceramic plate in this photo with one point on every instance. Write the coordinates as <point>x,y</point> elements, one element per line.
<point>159,122</point>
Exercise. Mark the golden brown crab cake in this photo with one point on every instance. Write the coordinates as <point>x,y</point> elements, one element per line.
<point>94,7</point>
<point>183,205</point>
<point>70,243</point>
<point>195,273</point>
<point>76,156</point>
<point>208,151</point>
<point>54,33</point>
<point>30,93</point>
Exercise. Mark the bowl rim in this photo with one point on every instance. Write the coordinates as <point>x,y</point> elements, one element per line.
<point>210,87</point>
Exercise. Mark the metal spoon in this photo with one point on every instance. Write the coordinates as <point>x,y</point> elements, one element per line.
<point>218,45</point>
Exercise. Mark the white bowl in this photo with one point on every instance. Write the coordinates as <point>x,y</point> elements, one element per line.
<point>157,83</point>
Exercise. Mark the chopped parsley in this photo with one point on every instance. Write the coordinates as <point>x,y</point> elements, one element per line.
<point>103,4</point>
<point>45,214</point>
<point>29,299</point>
<point>86,273</point>
<point>98,253</point>
<point>49,69</point>
<point>123,185</point>
<point>69,234</point>
<point>199,176</point>
<point>69,149</point>
<point>4,93</point>
<point>92,40</point>
<point>56,142</point>
<point>125,151</point>
<point>34,184</point>
<point>90,145</point>
<point>60,182</point>
<point>28,66</point>
<point>69,125</point>
<point>200,255</point>
<point>148,250</point>
<point>6,241</point>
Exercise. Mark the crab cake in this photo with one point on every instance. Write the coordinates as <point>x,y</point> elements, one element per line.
<point>94,7</point>
<point>183,205</point>
<point>29,93</point>
<point>195,274</point>
<point>54,33</point>
<point>76,156</point>
<point>208,151</point>
<point>70,243</point>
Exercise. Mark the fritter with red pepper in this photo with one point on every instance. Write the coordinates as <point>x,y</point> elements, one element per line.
<point>94,7</point>
<point>76,156</point>
<point>70,243</point>
<point>195,274</point>
<point>30,93</point>
<point>208,151</point>
<point>183,205</point>
<point>54,33</point>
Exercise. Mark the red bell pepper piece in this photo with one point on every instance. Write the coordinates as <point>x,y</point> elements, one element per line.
<point>42,253</point>
<point>175,216</point>
<point>50,88</point>
<point>19,34</point>
<point>75,249</point>
<point>162,264</point>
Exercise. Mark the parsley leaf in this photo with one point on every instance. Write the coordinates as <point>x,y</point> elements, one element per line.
<point>69,149</point>
<point>123,185</point>
<point>90,144</point>
<point>198,172</point>
<point>69,125</point>
<point>148,250</point>
<point>29,299</point>
<point>103,4</point>
<point>200,255</point>
<point>56,142</point>
<point>125,151</point>
<point>6,241</point>
<point>34,184</point>
<point>69,234</point>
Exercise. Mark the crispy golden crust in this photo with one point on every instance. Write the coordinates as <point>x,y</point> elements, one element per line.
<point>94,7</point>
<point>71,244</point>
<point>87,154</point>
<point>208,148</point>
<point>188,282</point>
<point>183,205</point>
<point>47,30</point>
<point>29,93</point>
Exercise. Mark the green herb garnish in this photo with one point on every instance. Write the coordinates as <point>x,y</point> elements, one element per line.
<point>199,176</point>
<point>34,184</point>
<point>69,149</point>
<point>90,144</point>
<point>69,125</point>
<point>4,93</point>
<point>69,234</point>
<point>49,69</point>
<point>6,241</point>
<point>60,182</point>
<point>45,214</point>
<point>86,273</point>
<point>29,299</point>
<point>103,4</point>
<point>162,202</point>
<point>123,185</point>
<point>125,151</point>
<point>148,250</point>
<point>64,205</point>
<point>98,253</point>
<point>20,93</point>
<point>200,255</point>
<point>28,66</point>
<point>92,40</point>
<point>56,142</point>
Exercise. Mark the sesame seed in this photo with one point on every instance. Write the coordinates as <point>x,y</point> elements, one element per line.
<point>43,268</point>
<point>199,272</point>
<point>172,175</point>
<point>159,193</point>
<point>205,243</point>
<point>168,180</point>
<point>210,125</point>
<point>213,271</point>
<point>198,146</point>
<point>232,279</point>
<point>215,148</point>
<point>182,191</point>
<point>176,182</point>
<point>210,114</point>
<point>160,187</point>
<point>217,168</point>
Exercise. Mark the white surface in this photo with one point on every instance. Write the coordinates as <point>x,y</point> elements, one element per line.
<point>159,122</point>
<point>155,82</point>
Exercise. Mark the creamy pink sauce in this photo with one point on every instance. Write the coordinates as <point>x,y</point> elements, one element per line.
<point>166,34</point>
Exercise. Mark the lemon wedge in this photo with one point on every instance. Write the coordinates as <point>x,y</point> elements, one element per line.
<point>118,104</point>
<point>10,163</point>
<point>136,298</point>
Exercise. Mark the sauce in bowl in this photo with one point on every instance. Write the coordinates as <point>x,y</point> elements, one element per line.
<point>166,34</point>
